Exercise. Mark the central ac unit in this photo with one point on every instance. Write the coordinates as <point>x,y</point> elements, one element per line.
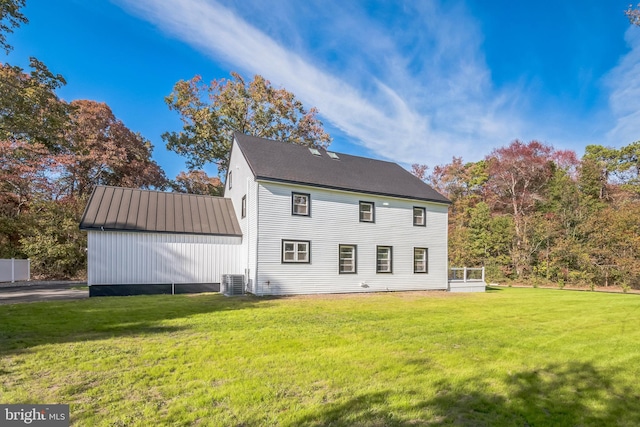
<point>232,284</point>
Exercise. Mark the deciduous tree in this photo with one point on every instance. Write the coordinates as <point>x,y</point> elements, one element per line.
<point>30,110</point>
<point>519,174</point>
<point>10,17</point>
<point>52,240</point>
<point>100,150</point>
<point>211,113</point>
<point>633,14</point>
<point>197,182</point>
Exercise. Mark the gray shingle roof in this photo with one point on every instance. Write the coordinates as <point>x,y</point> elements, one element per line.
<point>283,162</point>
<point>126,209</point>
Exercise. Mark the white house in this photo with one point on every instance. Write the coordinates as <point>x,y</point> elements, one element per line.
<point>294,220</point>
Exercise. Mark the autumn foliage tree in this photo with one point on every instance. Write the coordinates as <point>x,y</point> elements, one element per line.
<point>211,113</point>
<point>531,212</point>
<point>633,14</point>
<point>100,150</point>
<point>197,182</point>
<point>52,155</point>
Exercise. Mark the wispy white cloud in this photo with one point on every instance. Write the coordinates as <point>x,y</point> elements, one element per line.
<point>624,99</point>
<point>418,91</point>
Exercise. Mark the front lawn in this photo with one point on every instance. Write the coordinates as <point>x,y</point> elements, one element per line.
<point>506,357</point>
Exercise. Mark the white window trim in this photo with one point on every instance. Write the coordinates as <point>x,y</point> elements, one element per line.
<point>423,216</point>
<point>297,245</point>
<point>372,212</point>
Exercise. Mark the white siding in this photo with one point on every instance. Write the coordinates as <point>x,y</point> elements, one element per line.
<point>334,220</point>
<point>244,184</point>
<point>154,258</point>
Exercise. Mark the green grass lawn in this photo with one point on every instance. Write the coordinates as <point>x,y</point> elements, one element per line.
<point>521,357</point>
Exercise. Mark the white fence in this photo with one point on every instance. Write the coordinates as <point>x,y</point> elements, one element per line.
<point>15,269</point>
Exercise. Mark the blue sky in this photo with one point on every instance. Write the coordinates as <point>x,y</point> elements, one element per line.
<point>407,81</point>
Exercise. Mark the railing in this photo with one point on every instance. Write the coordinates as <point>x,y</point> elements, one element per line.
<point>466,274</point>
<point>15,269</point>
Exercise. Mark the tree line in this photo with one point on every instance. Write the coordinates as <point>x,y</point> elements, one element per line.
<point>529,212</point>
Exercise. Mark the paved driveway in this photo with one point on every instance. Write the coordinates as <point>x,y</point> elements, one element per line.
<point>12,293</point>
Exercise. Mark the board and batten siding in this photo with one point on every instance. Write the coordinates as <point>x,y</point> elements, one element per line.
<point>161,258</point>
<point>334,220</point>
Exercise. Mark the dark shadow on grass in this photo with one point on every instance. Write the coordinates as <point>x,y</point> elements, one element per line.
<point>493,289</point>
<point>28,325</point>
<point>555,395</point>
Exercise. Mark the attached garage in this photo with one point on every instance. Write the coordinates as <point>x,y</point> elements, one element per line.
<point>150,242</point>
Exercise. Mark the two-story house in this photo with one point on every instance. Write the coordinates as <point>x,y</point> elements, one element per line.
<point>293,220</point>
<point>315,221</point>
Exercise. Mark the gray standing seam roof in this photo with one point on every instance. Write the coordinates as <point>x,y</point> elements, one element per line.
<point>127,209</point>
<point>291,163</point>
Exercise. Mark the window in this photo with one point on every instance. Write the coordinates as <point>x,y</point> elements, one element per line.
<point>296,251</point>
<point>229,180</point>
<point>367,212</point>
<point>244,206</point>
<point>419,217</point>
<point>347,259</point>
<point>420,260</point>
<point>300,204</point>
<point>383,259</point>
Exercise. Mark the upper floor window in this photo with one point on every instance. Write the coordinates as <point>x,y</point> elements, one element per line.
<point>244,206</point>
<point>229,180</point>
<point>296,251</point>
<point>384,259</point>
<point>420,260</point>
<point>347,259</point>
<point>367,212</point>
<point>419,216</point>
<point>300,204</point>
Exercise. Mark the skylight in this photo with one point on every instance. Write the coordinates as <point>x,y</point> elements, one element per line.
<point>333,155</point>
<point>315,151</point>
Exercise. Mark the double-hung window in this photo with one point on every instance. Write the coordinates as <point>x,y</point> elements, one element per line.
<point>420,216</point>
<point>367,212</point>
<point>300,204</point>
<point>296,251</point>
<point>384,260</point>
<point>347,259</point>
<point>420,260</point>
